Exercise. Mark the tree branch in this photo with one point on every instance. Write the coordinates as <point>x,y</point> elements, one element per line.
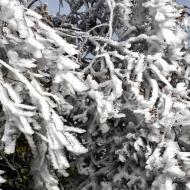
<point>31,3</point>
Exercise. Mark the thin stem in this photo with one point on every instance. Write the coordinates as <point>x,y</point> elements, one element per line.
<point>31,3</point>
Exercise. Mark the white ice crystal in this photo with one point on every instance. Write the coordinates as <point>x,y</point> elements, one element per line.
<point>76,83</point>
<point>64,63</point>
<point>128,94</point>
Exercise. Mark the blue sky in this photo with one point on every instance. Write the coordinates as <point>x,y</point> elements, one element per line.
<point>53,5</point>
<point>184,2</point>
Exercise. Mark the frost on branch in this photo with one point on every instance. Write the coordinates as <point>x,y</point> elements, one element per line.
<point>35,55</point>
<point>105,93</point>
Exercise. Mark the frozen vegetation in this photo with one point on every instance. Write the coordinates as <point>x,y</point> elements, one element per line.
<point>100,97</point>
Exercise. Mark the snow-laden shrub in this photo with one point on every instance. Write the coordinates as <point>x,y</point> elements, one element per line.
<point>103,99</point>
<point>36,67</point>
